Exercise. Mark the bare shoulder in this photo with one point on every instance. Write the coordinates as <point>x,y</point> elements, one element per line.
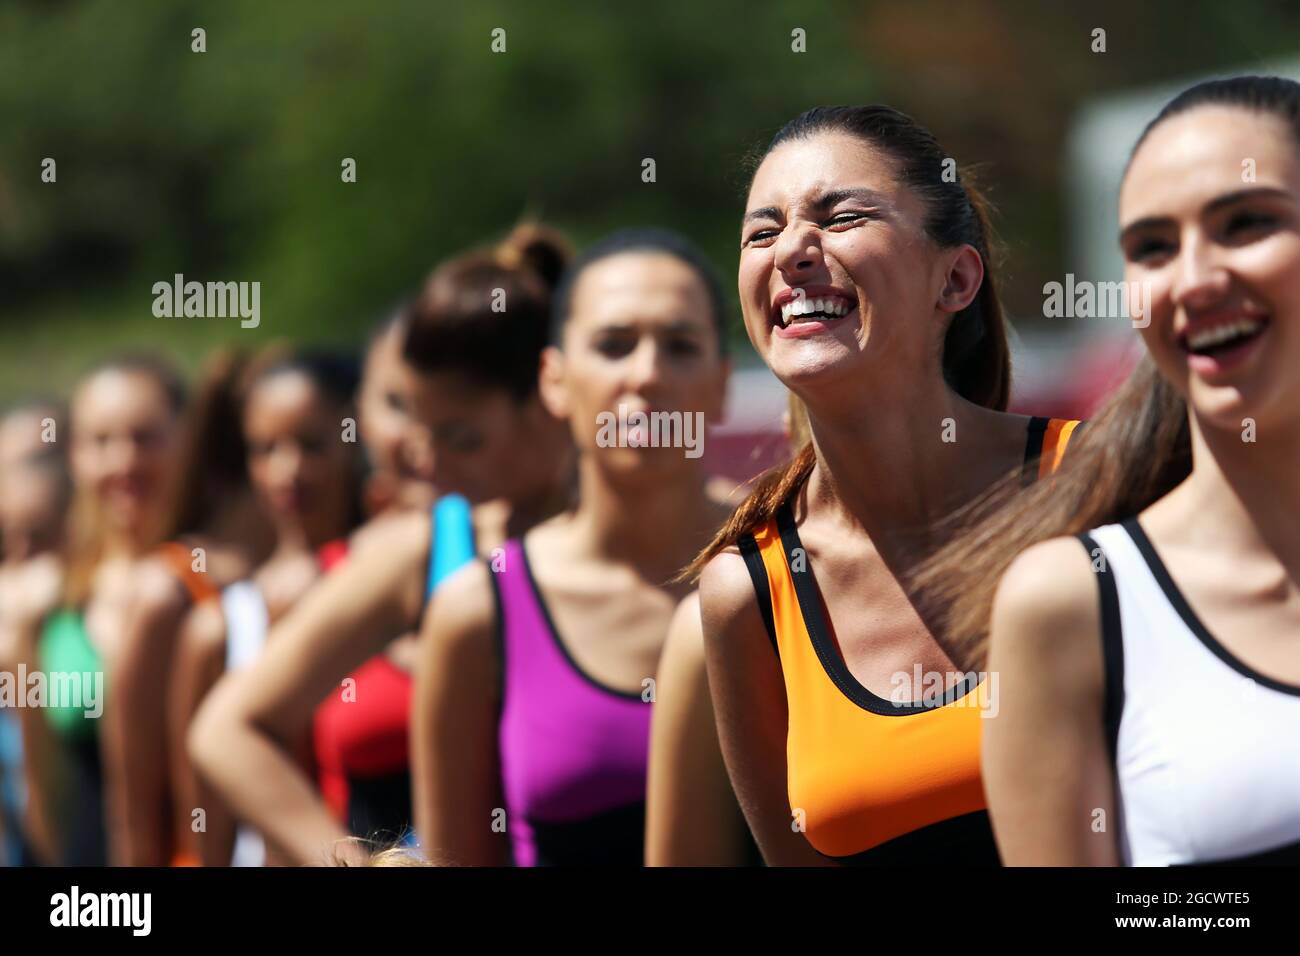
<point>156,589</point>
<point>405,532</point>
<point>203,632</point>
<point>726,595</point>
<point>463,611</point>
<point>1047,607</point>
<point>684,646</point>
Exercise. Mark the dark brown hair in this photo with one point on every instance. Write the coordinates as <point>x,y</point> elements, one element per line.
<point>1135,451</point>
<point>976,357</point>
<point>213,461</point>
<point>486,314</point>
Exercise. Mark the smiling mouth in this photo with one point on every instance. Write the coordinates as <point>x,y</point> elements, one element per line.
<point>1222,337</point>
<point>820,309</point>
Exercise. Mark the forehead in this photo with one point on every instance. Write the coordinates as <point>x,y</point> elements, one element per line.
<point>1190,158</point>
<point>20,434</point>
<point>284,389</point>
<point>639,285</point>
<point>112,391</point>
<point>800,169</point>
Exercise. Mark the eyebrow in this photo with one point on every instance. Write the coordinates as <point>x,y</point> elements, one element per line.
<point>825,200</point>
<point>1270,192</point>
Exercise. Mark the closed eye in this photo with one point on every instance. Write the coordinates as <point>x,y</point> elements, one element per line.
<point>844,218</point>
<point>761,236</point>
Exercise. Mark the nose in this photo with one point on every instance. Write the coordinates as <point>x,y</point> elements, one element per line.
<point>126,455</point>
<point>286,463</point>
<point>645,366</point>
<point>417,454</point>
<point>797,250</point>
<point>1200,280</point>
<point>416,450</point>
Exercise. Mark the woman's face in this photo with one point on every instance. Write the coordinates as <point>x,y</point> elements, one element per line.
<point>383,413</point>
<point>31,497</point>
<point>298,464</point>
<point>640,338</point>
<point>484,442</point>
<point>1210,223</point>
<point>828,227</point>
<point>124,434</point>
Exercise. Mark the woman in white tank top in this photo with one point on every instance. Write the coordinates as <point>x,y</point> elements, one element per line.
<point>1145,636</point>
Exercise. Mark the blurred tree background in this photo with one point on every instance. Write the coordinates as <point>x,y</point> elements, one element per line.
<point>225,165</point>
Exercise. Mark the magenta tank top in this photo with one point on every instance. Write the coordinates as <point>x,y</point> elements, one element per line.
<point>573,751</point>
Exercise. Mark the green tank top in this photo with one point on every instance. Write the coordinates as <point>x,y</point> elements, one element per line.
<point>65,649</point>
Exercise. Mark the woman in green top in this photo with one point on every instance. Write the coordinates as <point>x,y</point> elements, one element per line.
<point>123,429</point>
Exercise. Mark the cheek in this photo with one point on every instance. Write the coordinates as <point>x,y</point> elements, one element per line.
<point>1274,267</point>
<point>752,284</point>
<point>593,383</point>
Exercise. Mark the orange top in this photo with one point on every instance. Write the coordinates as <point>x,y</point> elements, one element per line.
<point>871,780</point>
<point>178,556</point>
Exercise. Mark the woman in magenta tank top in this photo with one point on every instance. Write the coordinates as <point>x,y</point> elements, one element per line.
<point>535,683</point>
<point>472,425</point>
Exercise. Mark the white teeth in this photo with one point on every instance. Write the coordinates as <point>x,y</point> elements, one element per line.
<point>1208,338</point>
<point>833,306</point>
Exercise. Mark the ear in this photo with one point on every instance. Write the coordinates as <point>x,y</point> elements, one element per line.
<point>551,385</point>
<point>962,281</point>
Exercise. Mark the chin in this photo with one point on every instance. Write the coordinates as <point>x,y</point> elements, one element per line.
<point>1227,408</point>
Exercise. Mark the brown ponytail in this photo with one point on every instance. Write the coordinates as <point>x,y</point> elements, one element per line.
<point>485,314</point>
<point>1133,452</point>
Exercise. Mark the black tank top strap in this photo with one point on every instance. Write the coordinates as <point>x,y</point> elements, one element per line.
<point>1033,449</point>
<point>762,592</point>
<point>1112,641</point>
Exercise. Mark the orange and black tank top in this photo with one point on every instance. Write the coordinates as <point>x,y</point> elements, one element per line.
<point>875,781</point>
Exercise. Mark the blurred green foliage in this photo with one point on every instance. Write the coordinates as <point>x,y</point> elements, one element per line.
<point>225,165</point>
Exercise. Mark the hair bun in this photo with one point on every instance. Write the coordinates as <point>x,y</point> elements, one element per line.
<point>540,249</point>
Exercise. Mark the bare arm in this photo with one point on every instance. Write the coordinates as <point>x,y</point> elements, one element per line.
<point>748,694</point>
<point>137,797</point>
<point>44,766</point>
<point>245,737</point>
<point>692,817</point>
<point>1046,765</point>
<point>200,663</point>
<point>455,762</point>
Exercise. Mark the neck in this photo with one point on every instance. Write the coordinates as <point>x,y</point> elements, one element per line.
<point>654,525</point>
<point>1248,490</point>
<point>546,500</point>
<point>893,465</point>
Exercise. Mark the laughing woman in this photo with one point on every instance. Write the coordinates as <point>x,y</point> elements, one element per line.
<point>865,286</point>
<point>1150,678</point>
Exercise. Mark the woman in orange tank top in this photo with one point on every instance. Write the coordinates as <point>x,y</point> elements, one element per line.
<point>849,735</point>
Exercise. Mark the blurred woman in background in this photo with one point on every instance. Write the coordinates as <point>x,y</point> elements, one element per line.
<point>34,492</point>
<point>295,412</point>
<point>125,427</point>
<point>536,680</point>
<point>214,534</point>
<point>473,340</point>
